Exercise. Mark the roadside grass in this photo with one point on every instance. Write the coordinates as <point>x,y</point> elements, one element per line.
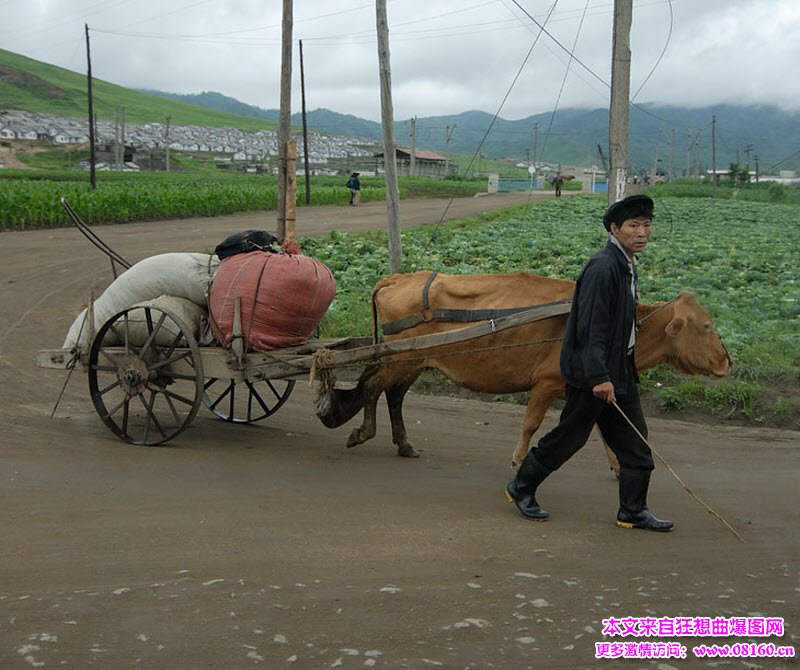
<point>739,257</point>
<point>30,199</point>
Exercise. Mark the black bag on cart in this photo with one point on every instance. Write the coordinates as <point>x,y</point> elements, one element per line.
<point>248,240</point>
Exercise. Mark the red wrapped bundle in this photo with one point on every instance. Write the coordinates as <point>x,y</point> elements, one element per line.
<point>283,298</point>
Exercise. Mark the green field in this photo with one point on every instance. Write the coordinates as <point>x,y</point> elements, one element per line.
<point>30,199</point>
<point>739,253</point>
<point>740,258</point>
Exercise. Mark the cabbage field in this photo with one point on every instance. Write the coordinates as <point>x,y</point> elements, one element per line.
<point>740,258</point>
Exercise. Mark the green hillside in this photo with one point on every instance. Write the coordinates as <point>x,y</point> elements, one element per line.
<point>678,135</point>
<point>33,86</point>
<point>571,136</point>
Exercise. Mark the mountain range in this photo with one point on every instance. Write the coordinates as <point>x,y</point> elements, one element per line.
<point>658,135</point>
<point>681,136</point>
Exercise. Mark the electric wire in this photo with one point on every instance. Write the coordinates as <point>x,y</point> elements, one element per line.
<point>663,51</point>
<point>489,129</point>
<point>586,67</point>
<point>563,82</point>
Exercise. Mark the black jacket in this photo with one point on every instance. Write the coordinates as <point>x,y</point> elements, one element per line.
<point>595,347</point>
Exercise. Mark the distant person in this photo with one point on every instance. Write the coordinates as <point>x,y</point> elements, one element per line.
<point>558,182</point>
<point>354,184</point>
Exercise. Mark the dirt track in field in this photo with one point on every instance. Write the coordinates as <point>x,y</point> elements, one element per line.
<point>271,545</point>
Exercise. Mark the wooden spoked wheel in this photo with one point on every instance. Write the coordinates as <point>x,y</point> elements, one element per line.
<point>246,401</point>
<point>146,375</point>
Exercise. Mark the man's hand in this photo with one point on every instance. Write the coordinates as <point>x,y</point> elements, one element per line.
<point>605,391</point>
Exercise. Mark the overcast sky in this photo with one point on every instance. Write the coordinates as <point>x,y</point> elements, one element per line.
<point>447,56</point>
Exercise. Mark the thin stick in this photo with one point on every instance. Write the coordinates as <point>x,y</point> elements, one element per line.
<point>675,474</point>
<point>74,362</point>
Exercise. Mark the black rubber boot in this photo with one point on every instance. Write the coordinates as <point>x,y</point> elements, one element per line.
<point>633,512</point>
<point>522,489</point>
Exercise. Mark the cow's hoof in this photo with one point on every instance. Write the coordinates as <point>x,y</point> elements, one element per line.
<point>408,452</point>
<point>355,439</point>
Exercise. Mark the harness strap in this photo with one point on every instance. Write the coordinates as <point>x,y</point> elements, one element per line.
<point>452,315</point>
<point>426,301</point>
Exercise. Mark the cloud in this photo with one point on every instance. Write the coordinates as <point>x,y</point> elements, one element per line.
<point>446,56</point>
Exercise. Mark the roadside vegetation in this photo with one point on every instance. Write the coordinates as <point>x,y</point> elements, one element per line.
<point>31,200</point>
<point>739,253</point>
<point>739,257</point>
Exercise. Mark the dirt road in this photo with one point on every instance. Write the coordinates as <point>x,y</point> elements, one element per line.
<point>271,545</point>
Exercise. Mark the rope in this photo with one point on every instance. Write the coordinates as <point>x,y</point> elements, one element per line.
<point>322,363</point>
<point>639,322</point>
<point>675,475</point>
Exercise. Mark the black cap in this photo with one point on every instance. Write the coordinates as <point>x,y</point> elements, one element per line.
<point>631,207</point>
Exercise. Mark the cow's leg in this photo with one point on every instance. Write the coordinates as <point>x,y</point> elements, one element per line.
<point>384,378</point>
<point>368,428</point>
<point>394,399</point>
<point>338,406</point>
<point>542,396</point>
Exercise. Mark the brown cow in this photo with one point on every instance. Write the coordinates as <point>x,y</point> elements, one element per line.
<point>522,358</point>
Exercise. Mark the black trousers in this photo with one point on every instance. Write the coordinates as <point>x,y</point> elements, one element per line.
<point>580,414</point>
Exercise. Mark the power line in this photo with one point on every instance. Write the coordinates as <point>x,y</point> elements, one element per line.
<point>59,21</point>
<point>586,67</point>
<point>663,51</point>
<point>563,82</point>
<point>782,160</point>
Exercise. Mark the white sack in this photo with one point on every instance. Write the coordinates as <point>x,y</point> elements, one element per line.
<point>183,275</point>
<point>188,312</point>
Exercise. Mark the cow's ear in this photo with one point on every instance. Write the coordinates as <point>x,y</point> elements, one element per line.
<point>675,326</point>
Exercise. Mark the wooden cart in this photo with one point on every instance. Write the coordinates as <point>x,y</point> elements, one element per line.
<point>148,376</point>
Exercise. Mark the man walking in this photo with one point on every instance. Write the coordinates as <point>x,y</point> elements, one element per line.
<point>354,184</point>
<point>597,362</point>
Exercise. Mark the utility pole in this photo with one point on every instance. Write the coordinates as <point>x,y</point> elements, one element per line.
<point>119,137</point>
<point>305,126</point>
<point>166,143</point>
<point>688,153</point>
<point>389,153</point>
<point>284,129</point>
<point>748,148</point>
<point>448,133</point>
<point>92,175</point>
<point>412,164</point>
<point>698,146</point>
<point>655,165</point>
<point>290,215</point>
<point>620,99</point>
<point>713,155</point>
<point>117,159</point>
<point>535,143</point>
<point>755,157</point>
<point>671,153</point>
